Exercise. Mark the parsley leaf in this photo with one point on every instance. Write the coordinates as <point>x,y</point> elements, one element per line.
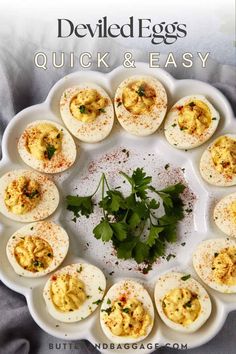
<point>103,230</point>
<point>153,234</point>
<point>82,109</point>
<point>120,230</point>
<point>50,151</point>
<point>141,91</point>
<point>80,205</point>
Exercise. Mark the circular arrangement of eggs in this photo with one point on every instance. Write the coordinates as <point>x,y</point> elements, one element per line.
<point>74,292</point>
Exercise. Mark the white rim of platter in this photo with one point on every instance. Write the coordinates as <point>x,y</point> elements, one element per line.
<point>202,226</point>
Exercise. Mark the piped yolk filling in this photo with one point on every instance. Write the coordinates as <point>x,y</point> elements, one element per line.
<point>127,317</point>
<point>181,306</point>
<point>44,141</point>
<point>194,118</point>
<point>224,266</point>
<point>88,105</point>
<point>232,212</point>
<point>33,253</point>
<point>22,195</point>
<point>139,98</point>
<point>223,153</point>
<point>67,292</point>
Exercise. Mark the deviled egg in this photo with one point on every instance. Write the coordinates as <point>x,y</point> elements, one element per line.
<point>87,112</point>
<point>191,122</point>
<point>225,215</point>
<point>27,196</point>
<point>127,312</point>
<point>182,303</point>
<point>140,104</point>
<point>218,162</point>
<point>47,147</point>
<point>215,263</point>
<point>74,292</point>
<point>37,249</point>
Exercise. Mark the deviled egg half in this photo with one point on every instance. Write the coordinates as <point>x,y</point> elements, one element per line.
<point>127,313</point>
<point>182,303</point>
<point>27,196</point>
<point>140,104</point>
<point>37,249</point>
<point>215,263</point>
<point>74,292</point>
<point>218,162</point>
<point>47,147</point>
<point>225,215</point>
<point>87,112</point>
<point>191,122</point>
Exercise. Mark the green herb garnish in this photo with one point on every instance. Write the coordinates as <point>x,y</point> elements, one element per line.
<point>126,310</point>
<point>141,91</point>
<point>50,151</point>
<point>82,109</point>
<point>108,310</point>
<point>186,277</point>
<point>102,110</point>
<point>192,104</point>
<point>97,302</point>
<point>188,304</point>
<point>126,217</point>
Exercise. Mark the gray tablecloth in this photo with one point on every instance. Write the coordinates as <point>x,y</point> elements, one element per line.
<point>21,85</point>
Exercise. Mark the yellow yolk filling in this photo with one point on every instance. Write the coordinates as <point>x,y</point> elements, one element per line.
<point>67,292</point>
<point>127,318</point>
<point>232,212</point>
<point>194,117</point>
<point>181,306</point>
<point>224,266</point>
<point>22,195</point>
<point>139,97</point>
<point>87,105</point>
<point>43,141</point>
<point>223,154</point>
<point>33,253</point>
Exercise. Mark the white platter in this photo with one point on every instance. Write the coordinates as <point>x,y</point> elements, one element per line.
<point>152,153</point>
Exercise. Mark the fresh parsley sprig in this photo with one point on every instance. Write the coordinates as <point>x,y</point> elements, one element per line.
<point>127,218</point>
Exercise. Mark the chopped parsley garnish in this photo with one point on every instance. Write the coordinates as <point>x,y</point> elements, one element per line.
<point>108,301</point>
<point>126,217</point>
<point>97,302</point>
<point>108,310</point>
<point>214,118</point>
<point>186,277</point>
<point>100,289</point>
<point>50,151</point>
<point>141,91</point>
<point>102,110</point>
<point>216,254</point>
<point>192,104</point>
<point>32,194</point>
<point>38,264</point>
<point>79,270</point>
<point>168,258</point>
<point>82,109</point>
<point>188,304</point>
<point>126,310</point>
<point>119,104</point>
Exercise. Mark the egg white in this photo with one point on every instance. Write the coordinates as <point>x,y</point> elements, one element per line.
<point>208,170</point>
<point>181,139</point>
<point>60,162</point>
<point>172,280</point>
<point>95,286</point>
<point>47,204</point>
<point>203,258</point>
<point>92,132</point>
<point>142,124</point>
<point>222,217</point>
<point>134,290</point>
<point>54,234</point>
